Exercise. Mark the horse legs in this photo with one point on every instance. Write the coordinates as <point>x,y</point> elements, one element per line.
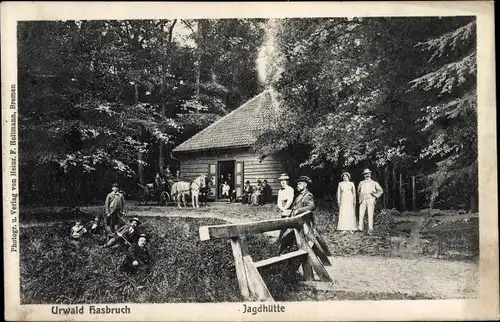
<point>195,200</point>
<point>178,197</point>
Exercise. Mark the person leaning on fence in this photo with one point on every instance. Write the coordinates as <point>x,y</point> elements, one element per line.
<point>113,208</point>
<point>127,234</point>
<point>304,202</point>
<point>137,261</point>
<point>368,191</point>
<point>285,195</point>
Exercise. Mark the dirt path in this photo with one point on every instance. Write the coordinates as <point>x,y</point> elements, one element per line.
<point>435,278</point>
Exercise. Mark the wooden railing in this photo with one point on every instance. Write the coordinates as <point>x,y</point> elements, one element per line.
<point>312,254</point>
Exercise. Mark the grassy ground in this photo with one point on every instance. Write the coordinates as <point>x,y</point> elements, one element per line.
<point>56,270</point>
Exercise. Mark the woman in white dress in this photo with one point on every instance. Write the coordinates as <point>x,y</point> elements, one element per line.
<point>346,198</point>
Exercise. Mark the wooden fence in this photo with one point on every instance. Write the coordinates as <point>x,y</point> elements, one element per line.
<point>312,254</point>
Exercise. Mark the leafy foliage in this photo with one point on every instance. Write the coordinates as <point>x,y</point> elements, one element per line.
<point>378,91</point>
<point>94,94</point>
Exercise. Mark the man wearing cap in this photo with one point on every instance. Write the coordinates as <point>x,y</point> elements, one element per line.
<point>137,261</point>
<point>285,195</point>
<point>304,202</point>
<point>127,234</point>
<point>368,191</point>
<point>113,207</point>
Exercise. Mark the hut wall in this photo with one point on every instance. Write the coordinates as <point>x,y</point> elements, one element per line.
<point>269,168</point>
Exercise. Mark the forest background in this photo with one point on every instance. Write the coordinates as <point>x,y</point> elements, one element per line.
<point>105,101</point>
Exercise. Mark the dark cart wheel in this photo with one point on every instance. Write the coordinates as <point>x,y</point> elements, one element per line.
<point>164,198</point>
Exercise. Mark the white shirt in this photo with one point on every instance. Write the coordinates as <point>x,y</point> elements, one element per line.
<point>285,197</point>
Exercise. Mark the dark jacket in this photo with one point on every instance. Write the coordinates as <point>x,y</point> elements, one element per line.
<point>136,253</point>
<point>129,232</point>
<point>302,203</point>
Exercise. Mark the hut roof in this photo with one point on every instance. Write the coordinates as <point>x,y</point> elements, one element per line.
<point>239,128</point>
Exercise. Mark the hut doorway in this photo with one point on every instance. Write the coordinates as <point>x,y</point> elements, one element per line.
<point>226,174</point>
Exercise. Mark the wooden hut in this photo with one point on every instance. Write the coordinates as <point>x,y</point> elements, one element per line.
<point>223,149</point>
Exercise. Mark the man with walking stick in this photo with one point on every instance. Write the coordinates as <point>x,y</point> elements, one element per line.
<point>127,234</point>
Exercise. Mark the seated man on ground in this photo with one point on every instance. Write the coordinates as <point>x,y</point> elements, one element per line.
<point>127,234</point>
<point>137,261</point>
<point>77,231</point>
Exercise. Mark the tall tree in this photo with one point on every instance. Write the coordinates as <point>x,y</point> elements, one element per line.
<point>448,93</point>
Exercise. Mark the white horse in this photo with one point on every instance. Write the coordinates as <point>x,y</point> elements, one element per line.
<point>180,189</point>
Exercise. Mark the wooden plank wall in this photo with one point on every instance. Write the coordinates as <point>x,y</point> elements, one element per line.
<point>194,164</point>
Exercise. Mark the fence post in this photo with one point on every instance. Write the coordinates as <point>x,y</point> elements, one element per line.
<point>240,268</point>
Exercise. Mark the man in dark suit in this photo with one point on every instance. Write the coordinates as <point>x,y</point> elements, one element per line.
<point>304,202</point>
<point>137,261</point>
<point>267,193</point>
<point>127,234</point>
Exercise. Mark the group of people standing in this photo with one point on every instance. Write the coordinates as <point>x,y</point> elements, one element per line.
<point>137,259</point>
<point>368,192</point>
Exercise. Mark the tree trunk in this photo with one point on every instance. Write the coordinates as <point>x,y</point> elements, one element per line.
<point>402,192</point>
<point>161,144</point>
<point>198,59</point>
<point>413,194</point>
<point>140,166</point>
<point>386,186</point>
<point>394,183</point>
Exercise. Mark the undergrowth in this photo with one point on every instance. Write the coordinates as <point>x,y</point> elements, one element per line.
<point>58,271</point>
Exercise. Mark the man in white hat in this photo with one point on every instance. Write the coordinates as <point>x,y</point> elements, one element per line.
<point>285,195</point>
<point>368,191</point>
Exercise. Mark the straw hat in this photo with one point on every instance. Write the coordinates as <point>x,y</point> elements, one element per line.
<point>366,171</point>
<point>346,174</point>
<point>284,176</point>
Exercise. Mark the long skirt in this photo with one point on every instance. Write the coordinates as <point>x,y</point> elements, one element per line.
<point>347,215</point>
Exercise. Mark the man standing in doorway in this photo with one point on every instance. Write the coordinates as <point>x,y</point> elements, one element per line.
<point>368,191</point>
<point>113,207</point>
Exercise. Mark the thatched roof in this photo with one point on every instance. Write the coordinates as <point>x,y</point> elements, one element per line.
<point>237,129</point>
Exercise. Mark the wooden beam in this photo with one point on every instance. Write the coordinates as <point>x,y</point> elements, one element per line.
<point>235,230</point>
<point>306,266</point>
<point>255,282</point>
<point>284,257</point>
<point>240,268</point>
<point>312,259</point>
